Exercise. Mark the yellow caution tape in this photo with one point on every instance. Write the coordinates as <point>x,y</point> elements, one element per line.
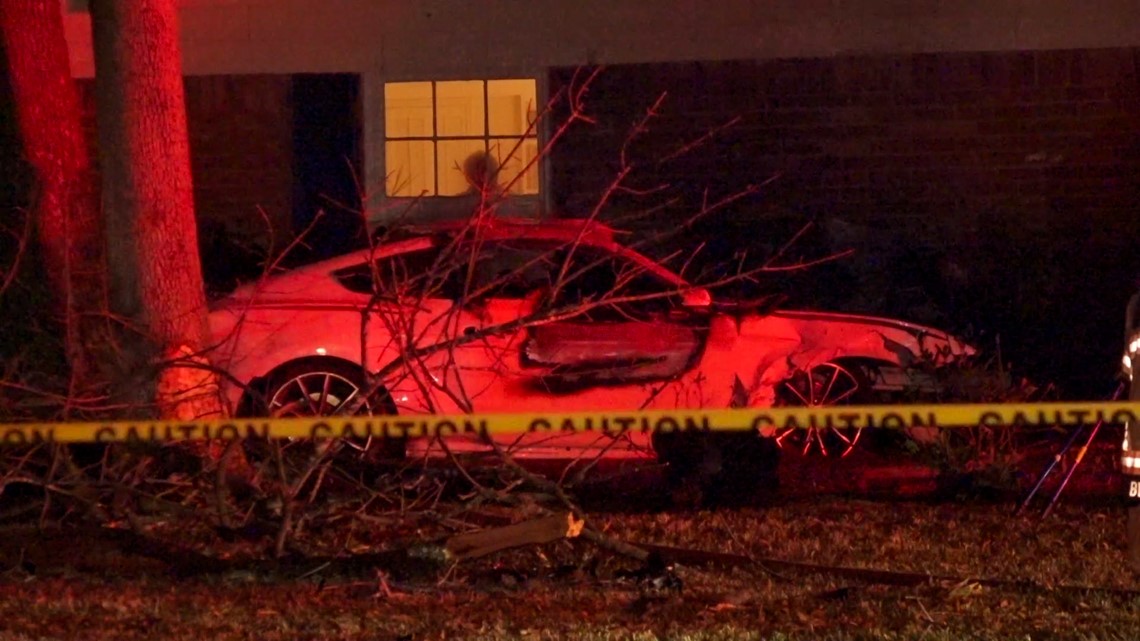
<point>763,419</point>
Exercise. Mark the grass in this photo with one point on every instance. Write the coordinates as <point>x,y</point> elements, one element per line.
<point>73,584</point>
<point>989,574</point>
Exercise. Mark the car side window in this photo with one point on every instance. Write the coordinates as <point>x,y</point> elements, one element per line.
<point>357,279</point>
<point>594,276</point>
<point>408,274</point>
<point>509,269</point>
<point>514,269</point>
<point>502,269</point>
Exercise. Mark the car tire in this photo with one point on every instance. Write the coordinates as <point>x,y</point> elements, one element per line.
<point>283,397</point>
<point>827,384</point>
<point>319,388</point>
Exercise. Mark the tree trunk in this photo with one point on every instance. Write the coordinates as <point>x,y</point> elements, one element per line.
<point>64,206</point>
<point>154,269</point>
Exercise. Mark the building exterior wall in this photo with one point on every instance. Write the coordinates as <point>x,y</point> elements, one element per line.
<point>444,37</point>
<point>385,40</point>
<point>241,156</point>
<point>1054,135</point>
<point>990,147</point>
<point>998,189</point>
<point>241,153</point>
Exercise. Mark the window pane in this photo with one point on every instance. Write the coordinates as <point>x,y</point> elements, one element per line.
<point>511,104</point>
<point>410,167</point>
<point>405,274</point>
<point>357,278</point>
<point>459,108</point>
<point>453,154</point>
<point>512,160</point>
<point>597,275</point>
<point>453,120</point>
<point>412,274</point>
<point>509,269</point>
<point>407,109</point>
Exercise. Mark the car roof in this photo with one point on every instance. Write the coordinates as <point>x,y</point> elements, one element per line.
<point>415,236</point>
<point>587,230</point>
<point>409,237</point>
<point>584,231</point>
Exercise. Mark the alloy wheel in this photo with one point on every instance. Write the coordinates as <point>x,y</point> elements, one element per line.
<point>317,393</point>
<point>824,385</point>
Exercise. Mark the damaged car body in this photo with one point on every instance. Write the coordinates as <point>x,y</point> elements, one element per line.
<point>551,316</point>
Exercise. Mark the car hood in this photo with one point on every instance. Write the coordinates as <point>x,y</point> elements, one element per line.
<point>940,344</point>
<point>768,307</point>
<point>860,319</point>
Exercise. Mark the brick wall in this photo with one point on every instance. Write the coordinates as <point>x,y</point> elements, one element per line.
<point>1001,185</point>
<point>241,149</point>
<point>1045,134</point>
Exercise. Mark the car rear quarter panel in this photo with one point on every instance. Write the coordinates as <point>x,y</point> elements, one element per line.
<point>252,341</point>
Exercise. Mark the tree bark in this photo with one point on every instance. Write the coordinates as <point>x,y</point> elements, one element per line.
<point>64,206</point>
<point>154,269</point>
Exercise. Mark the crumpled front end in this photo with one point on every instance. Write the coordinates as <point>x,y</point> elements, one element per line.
<point>891,357</point>
<point>914,349</point>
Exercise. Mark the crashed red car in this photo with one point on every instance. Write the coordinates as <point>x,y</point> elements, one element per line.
<point>554,316</point>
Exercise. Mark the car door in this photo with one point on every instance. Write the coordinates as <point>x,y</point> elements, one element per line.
<point>487,288</point>
<point>624,333</point>
<point>562,329</point>
<point>494,287</point>
<point>539,327</point>
<point>414,335</point>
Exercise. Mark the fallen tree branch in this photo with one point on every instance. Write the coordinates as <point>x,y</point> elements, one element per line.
<point>705,558</point>
<point>617,546</point>
<point>547,529</point>
<point>590,534</point>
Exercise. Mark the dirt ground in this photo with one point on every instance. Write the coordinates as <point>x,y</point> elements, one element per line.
<point>847,552</point>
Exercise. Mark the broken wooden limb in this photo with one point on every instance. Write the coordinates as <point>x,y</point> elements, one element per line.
<point>472,545</point>
<point>727,560</point>
<point>617,546</point>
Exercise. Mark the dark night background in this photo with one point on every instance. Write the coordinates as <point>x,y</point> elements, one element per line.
<point>991,194</point>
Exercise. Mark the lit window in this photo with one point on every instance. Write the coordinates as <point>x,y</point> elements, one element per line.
<point>432,129</point>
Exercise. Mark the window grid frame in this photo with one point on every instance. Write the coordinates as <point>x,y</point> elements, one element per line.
<point>486,136</point>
